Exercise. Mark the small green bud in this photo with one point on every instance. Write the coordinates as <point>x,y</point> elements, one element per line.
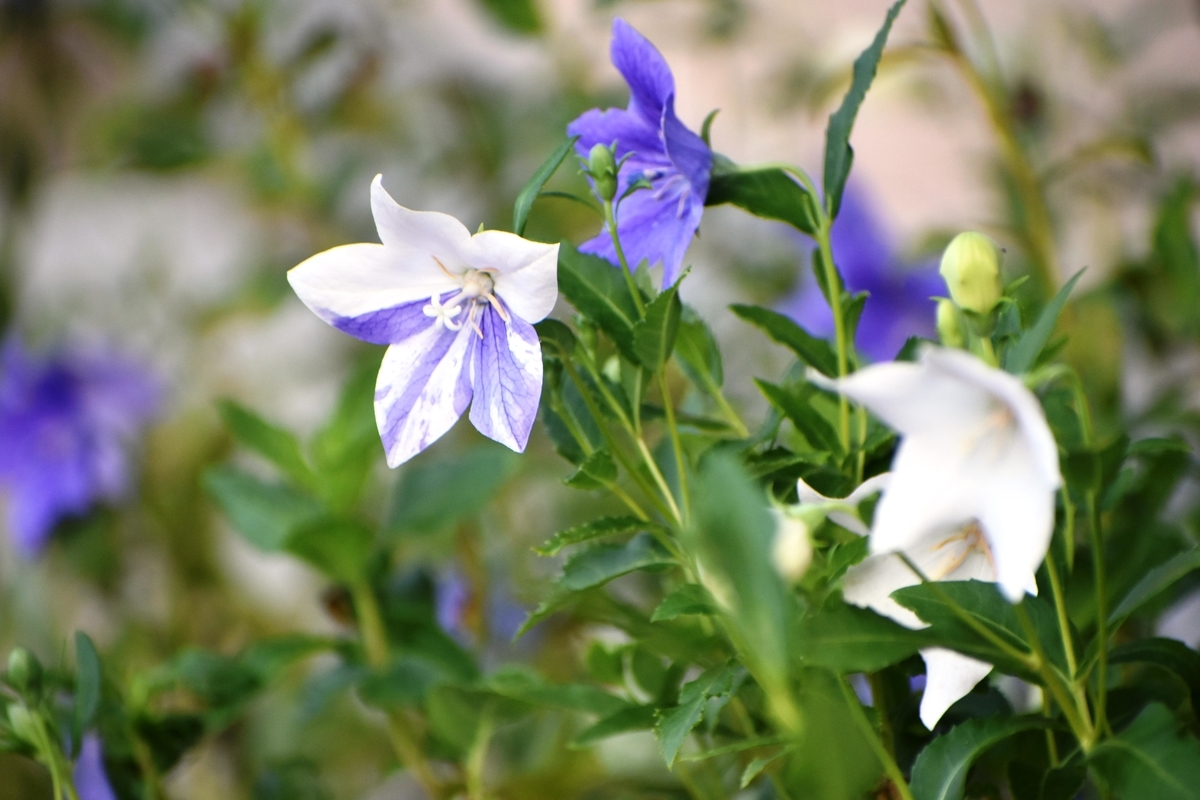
<point>23,724</point>
<point>603,169</point>
<point>792,550</point>
<point>971,268</point>
<point>24,671</point>
<point>949,324</point>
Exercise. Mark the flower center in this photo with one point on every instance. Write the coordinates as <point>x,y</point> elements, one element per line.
<point>959,547</point>
<point>477,283</point>
<point>478,291</point>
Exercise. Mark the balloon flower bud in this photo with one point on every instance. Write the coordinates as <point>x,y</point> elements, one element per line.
<point>971,268</point>
<point>792,552</point>
<point>603,169</point>
<point>949,324</point>
<point>24,671</point>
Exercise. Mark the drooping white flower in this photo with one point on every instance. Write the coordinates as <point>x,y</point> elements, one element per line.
<point>457,311</point>
<point>971,494</point>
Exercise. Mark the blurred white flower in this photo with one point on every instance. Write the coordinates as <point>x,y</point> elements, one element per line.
<point>792,550</point>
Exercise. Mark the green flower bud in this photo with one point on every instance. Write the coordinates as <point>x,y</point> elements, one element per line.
<point>971,268</point>
<point>949,324</point>
<point>24,671</point>
<point>23,724</point>
<point>603,169</point>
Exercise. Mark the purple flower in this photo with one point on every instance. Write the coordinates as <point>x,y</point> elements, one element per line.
<point>89,777</point>
<point>452,597</point>
<point>655,224</point>
<point>457,311</point>
<point>899,305</point>
<point>66,422</point>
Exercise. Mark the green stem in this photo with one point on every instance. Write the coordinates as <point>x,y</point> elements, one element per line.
<point>610,221</point>
<point>881,752</point>
<point>375,647</point>
<point>576,432</point>
<point>1077,716</point>
<point>477,757</point>
<point>839,325</point>
<point>676,443</point>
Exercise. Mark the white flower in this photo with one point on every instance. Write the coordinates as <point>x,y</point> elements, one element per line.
<point>457,311</point>
<point>791,550</point>
<point>971,494</point>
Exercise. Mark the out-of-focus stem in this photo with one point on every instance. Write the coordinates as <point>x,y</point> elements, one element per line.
<point>881,752</point>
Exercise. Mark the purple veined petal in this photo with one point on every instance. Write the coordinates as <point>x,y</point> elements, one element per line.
<point>507,380</point>
<point>423,387</point>
<point>687,151</point>
<point>643,68</point>
<point>89,777</point>
<point>389,325</point>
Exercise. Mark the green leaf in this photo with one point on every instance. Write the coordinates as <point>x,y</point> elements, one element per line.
<point>557,601</point>
<point>273,443</point>
<point>793,402</point>
<point>337,547</point>
<point>347,447</point>
<point>533,188</point>
<point>699,355</point>
<point>940,771</point>
<point>519,16</point>
<point>848,639</point>
<point>556,338</point>
<point>87,682</point>
<point>838,154</point>
<point>1151,758</point>
<point>434,495</point>
<point>674,725</point>
<point>268,657</point>
<point>767,192</point>
<point>756,766</point>
<point>1169,654</point>
<point>1153,583</point>
<point>596,472</point>
<point>812,351</point>
<point>601,563</point>
<point>690,598</point>
<point>1021,357</point>
<point>654,335</point>
<point>404,683</point>
<point>597,290</point>
<point>634,718</point>
<point>265,513</point>
<point>517,683</point>
<point>605,526</point>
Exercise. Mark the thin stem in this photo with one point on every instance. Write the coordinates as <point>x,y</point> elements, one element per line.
<point>1076,716</point>
<point>731,416</point>
<point>1101,585</point>
<point>879,695</point>
<point>676,443</point>
<point>885,757</point>
<point>839,325</point>
<point>610,221</point>
<point>573,428</point>
<point>1060,607</point>
<point>656,473</point>
<point>375,647</point>
<point>477,757</point>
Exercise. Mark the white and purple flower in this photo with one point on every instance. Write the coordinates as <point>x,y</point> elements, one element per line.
<point>66,424</point>
<point>655,225</point>
<point>457,312</point>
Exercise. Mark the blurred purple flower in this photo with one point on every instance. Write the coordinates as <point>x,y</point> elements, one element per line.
<point>66,421</point>
<point>899,305</point>
<point>452,594</point>
<point>658,223</point>
<point>89,777</point>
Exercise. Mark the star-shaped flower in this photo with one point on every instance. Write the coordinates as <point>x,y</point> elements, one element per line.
<point>457,311</point>
<point>656,224</point>
<point>971,494</point>
<point>66,423</point>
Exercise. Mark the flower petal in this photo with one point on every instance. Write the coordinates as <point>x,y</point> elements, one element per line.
<point>687,151</point>
<point>526,273</point>
<point>389,325</point>
<point>354,280</point>
<point>507,380</point>
<point>950,676</point>
<point>870,583</point>
<point>423,388</point>
<point>89,777</point>
<point>807,494</point>
<point>418,234</point>
<point>643,68</point>
<point>1017,519</point>
<point>631,132</point>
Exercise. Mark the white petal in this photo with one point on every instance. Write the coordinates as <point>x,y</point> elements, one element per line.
<point>419,233</point>
<point>1018,519</point>
<point>1009,390</point>
<point>357,279</point>
<point>869,584</point>
<point>949,676</point>
<point>422,389</point>
<point>526,273</point>
<point>807,494</point>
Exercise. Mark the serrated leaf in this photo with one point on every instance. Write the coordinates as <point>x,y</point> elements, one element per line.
<point>605,526</point>
<point>1023,354</point>
<point>690,598</point>
<point>601,563</point>
<point>1153,583</point>
<point>557,601</point>
<point>533,187</point>
<point>88,680</point>
<point>273,443</point>
<point>808,421</point>
<point>674,725</point>
<point>1151,758</point>
<point>940,771</point>
<point>597,290</point>
<point>812,351</point>
<point>596,472</point>
<point>264,513</point>
<point>838,154</point>
<point>654,334</point>
<point>848,639</point>
<point>634,718</point>
<point>755,768</point>
<point>766,192</point>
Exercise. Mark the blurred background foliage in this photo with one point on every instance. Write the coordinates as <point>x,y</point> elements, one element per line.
<point>164,162</point>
